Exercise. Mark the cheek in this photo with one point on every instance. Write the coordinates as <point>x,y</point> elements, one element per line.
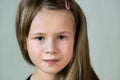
<point>67,50</point>
<point>67,53</point>
<point>35,52</point>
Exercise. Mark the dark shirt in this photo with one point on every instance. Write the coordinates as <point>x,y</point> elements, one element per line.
<point>29,77</point>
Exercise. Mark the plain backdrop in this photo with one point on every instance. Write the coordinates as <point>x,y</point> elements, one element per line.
<point>103,17</point>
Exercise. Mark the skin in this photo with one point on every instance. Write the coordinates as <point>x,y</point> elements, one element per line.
<point>50,42</point>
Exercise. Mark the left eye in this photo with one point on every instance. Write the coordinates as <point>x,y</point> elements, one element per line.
<point>61,37</point>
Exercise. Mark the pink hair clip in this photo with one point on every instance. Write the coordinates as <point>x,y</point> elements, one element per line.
<point>67,5</point>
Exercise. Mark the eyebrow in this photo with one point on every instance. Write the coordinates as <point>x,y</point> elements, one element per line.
<point>40,33</point>
<point>37,33</point>
<point>64,32</point>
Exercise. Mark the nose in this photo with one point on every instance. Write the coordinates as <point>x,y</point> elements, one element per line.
<point>50,47</point>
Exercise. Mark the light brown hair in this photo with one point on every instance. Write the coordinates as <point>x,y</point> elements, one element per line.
<point>79,68</point>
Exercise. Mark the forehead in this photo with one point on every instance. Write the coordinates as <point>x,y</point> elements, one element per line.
<point>52,19</point>
<point>63,12</point>
<point>47,14</point>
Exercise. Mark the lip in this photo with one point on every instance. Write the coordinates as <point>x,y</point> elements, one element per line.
<point>51,61</point>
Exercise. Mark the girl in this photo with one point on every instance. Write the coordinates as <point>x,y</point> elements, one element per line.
<point>52,35</point>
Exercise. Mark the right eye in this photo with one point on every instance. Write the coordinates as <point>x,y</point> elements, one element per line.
<point>40,38</point>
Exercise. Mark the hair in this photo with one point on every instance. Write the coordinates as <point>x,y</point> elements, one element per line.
<point>79,67</point>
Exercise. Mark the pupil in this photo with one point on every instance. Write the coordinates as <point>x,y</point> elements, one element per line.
<point>61,37</point>
<point>40,38</point>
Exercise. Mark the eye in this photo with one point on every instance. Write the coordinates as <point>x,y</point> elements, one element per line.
<point>61,37</point>
<point>40,38</point>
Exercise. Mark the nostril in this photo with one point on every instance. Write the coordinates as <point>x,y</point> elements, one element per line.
<point>48,52</point>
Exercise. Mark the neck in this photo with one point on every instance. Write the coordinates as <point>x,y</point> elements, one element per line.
<point>40,75</point>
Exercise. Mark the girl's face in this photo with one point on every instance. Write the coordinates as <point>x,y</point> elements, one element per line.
<point>50,40</point>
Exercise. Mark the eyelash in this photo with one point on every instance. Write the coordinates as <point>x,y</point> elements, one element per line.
<point>61,37</point>
<point>40,38</point>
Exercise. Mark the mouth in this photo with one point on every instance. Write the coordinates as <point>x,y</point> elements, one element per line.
<point>51,61</point>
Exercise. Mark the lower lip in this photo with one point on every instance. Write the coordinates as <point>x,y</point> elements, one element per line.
<point>51,61</point>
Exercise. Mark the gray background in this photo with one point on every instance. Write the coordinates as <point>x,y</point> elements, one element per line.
<point>103,18</point>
